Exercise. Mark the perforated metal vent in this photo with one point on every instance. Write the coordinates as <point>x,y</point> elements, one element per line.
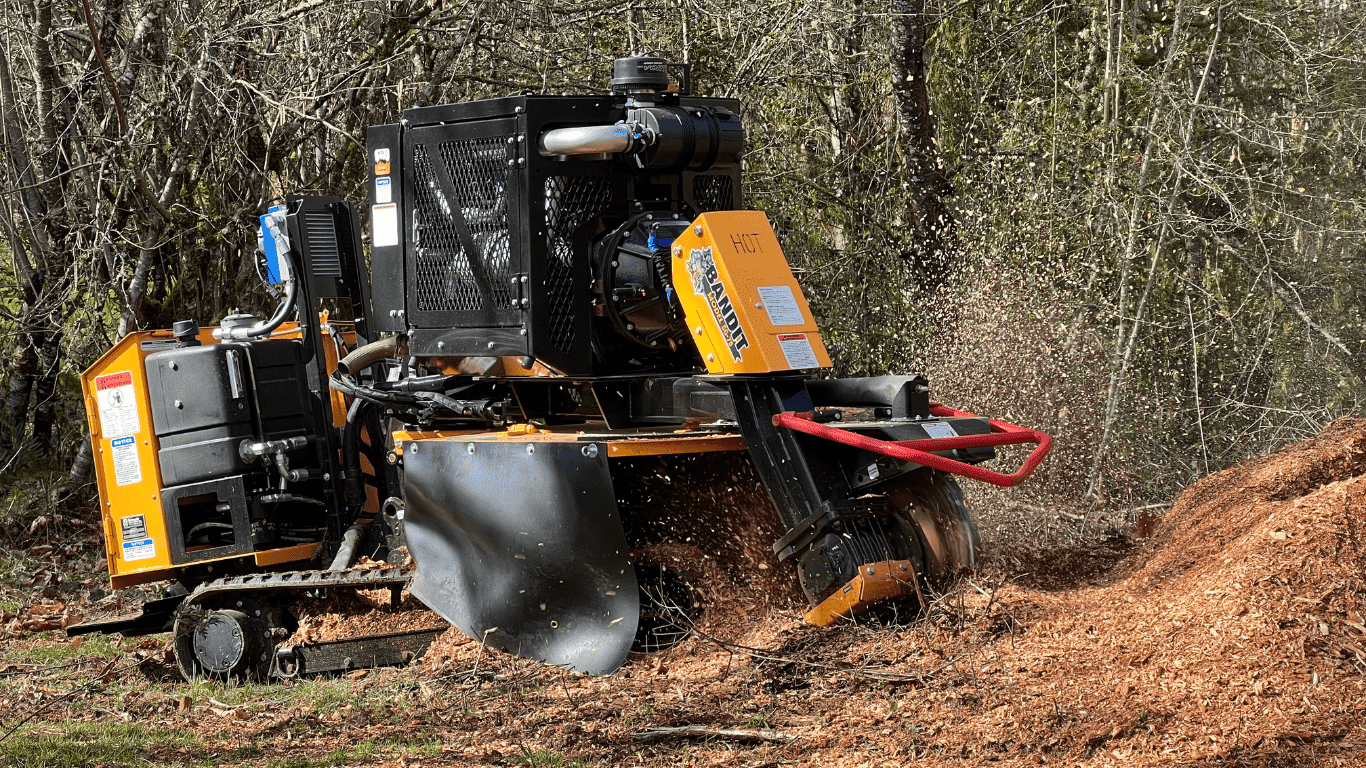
<point>713,193</point>
<point>447,277</point>
<point>571,202</point>
<point>320,227</point>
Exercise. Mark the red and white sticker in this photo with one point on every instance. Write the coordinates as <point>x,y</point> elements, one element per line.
<point>118,405</point>
<point>797,349</point>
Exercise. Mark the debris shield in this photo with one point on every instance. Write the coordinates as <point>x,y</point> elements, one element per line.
<point>520,545</point>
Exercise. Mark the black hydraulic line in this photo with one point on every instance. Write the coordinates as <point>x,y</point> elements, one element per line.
<point>352,473</point>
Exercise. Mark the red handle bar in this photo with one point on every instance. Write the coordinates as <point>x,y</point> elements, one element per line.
<point>1002,433</point>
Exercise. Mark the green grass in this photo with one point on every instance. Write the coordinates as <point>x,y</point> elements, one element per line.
<point>88,744</point>
<point>364,752</point>
<point>544,757</point>
<point>102,646</point>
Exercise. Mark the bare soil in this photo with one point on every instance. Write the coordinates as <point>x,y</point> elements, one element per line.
<point>1232,635</point>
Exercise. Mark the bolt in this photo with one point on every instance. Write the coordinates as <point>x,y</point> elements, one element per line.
<point>678,251</point>
<point>697,230</point>
<point>490,345</point>
<point>469,448</point>
<point>711,358</point>
<point>441,345</point>
<point>591,450</point>
<point>530,449</point>
<point>903,566</point>
<point>179,405</point>
<point>175,366</point>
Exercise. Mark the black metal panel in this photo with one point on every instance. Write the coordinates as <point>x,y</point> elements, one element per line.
<point>386,260</point>
<point>520,545</point>
<point>328,232</point>
<point>189,507</point>
<point>465,250</point>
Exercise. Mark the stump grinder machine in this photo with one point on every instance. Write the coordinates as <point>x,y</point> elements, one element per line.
<point>557,286</point>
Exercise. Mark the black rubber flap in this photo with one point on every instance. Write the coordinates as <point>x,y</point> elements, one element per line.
<point>520,545</point>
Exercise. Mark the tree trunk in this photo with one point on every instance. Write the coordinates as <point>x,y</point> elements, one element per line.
<point>930,223</point>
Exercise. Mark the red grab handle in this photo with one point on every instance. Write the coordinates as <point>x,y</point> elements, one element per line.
<point>1002,433</point>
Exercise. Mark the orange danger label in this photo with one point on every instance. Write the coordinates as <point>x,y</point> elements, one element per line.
<point>791,336</point>
<point>382,168</point>
<point>120,379</point>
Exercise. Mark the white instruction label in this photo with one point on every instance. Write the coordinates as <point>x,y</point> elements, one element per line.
<point>144,549</point>
<point>384,225</point>
<point>117,403</point>
<point>384,190</point>
<point>939,429</point>
<point>781,305</point>
<point>797,349</point>
<point>127,465</point>
<point>873,471</point>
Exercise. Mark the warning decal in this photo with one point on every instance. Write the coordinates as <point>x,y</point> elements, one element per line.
<point>117,404</point>
<point>797,349</point>
<point>127,465</point>
<point>145,549</point>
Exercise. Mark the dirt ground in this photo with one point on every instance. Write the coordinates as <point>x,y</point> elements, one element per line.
<point>1229,631</point>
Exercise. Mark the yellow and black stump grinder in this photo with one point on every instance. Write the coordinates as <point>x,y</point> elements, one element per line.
<point>557,286</point>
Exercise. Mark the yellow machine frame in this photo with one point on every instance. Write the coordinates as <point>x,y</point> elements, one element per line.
<point>115,388</point>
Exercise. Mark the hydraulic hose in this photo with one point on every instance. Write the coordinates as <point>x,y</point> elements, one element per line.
<point>352,472</point>
<point>282,313</point>
<point>365,356</point>
<point>346,555</point>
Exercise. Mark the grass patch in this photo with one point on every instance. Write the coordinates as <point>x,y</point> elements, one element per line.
<point>110,744</point>
<point>323,695</point>
<point>103,646</point>
<point>546,758</point>
<point>365,751</point>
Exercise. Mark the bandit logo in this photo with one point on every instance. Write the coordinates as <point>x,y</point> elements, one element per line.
<point>707,282</point>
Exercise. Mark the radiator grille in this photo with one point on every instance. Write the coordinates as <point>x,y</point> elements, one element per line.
<point>570,203</point>
<point>447,278</point>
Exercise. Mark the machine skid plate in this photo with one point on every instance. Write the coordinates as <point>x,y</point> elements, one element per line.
<point>520,546</point>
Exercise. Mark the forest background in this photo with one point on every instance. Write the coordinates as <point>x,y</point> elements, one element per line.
<point>1136,225</point>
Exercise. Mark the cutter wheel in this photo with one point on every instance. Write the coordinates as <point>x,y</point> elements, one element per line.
<point>930,503</point>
